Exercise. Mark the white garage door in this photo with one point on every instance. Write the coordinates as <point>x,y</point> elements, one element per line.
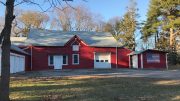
<point>17,63</point>
<point>102,60</point>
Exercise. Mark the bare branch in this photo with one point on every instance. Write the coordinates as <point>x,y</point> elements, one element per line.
<point>20,3</point>
<point>3,3</point>
<point>69,4</point>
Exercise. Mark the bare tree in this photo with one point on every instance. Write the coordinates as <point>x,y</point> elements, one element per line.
<point>78,18</point>
<point>30,19</point>
<point>84,19</point>
<point>6,43</point>
<point>65,18</point>
<point>99,23</point>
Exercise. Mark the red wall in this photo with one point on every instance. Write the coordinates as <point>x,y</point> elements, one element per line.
<point>139,60</point>
<point>123,57</point>
<point>162,63</point>
<point>86,55</point>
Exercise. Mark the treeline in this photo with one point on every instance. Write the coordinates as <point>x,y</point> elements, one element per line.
<point>76,18</point>
<point>163,25</point>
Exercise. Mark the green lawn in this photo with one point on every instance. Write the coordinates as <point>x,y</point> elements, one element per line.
<point>94,89</point>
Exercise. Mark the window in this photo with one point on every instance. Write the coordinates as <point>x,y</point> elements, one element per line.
<point>51,60</point>
<point>75,47</point>
<point>97,60</point>
<point>106,60</point>
<point>153,58</point>
<point>102,60</point>
<point>75,58</point>
<point>65,59</point>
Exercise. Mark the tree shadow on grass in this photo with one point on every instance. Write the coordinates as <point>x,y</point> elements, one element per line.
<point>101,89</point>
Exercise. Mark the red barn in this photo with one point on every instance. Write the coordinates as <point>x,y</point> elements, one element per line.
<point>148,59</point>
<point>73,50</point>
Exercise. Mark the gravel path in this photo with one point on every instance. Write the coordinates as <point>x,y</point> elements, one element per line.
<point>167,74</point>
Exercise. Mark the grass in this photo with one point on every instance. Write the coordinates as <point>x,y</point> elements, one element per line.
<point>174,67</point>
<point>94,88</point>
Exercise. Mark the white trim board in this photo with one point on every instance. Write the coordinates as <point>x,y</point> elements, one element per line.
<point>142,61</point>
<point>73,59</point>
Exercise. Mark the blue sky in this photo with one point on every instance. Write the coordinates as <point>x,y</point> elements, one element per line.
<point>107,8</point>
<point>110,8</point>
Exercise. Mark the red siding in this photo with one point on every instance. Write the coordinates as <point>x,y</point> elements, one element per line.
<point>86,55</point>
<point>28,63</point>
<point>161,64</point>
<point>123,58</point>
<point>139,60</point>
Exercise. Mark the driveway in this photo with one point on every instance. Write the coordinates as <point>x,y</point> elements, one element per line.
<point>167,74</point>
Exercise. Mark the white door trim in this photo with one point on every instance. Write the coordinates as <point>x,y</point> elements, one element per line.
<point>142,61</point>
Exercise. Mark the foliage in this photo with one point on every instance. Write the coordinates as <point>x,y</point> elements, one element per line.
<point>124,29</point>
<point>162,15</point>
<point>163,23</point>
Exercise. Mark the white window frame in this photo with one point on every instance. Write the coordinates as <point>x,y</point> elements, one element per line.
<point>49,60</point>
<point>75,47</point>
<point>73,59</point>
<point>66,59</point>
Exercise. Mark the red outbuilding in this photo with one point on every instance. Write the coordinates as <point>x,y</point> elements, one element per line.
<point>148,59</point>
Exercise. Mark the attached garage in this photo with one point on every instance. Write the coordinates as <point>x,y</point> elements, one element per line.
<point>102,60</point>
<point>17,60</point>
<point>17,63</point>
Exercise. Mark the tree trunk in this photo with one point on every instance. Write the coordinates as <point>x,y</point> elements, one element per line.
<point>171,38</point>
<point>6,43</point>
<point>155,41</point>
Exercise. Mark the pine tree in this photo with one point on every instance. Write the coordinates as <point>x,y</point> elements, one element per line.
<point>128,26</point>
<point>163,21</point>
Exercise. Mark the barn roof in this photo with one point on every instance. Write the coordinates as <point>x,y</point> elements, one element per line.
<point>139,52</point>
<point>17,49</point>
<point>39,37</point>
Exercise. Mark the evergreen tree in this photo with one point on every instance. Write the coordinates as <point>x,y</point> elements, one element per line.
<point>128,26</point>
<point>163,18</point>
